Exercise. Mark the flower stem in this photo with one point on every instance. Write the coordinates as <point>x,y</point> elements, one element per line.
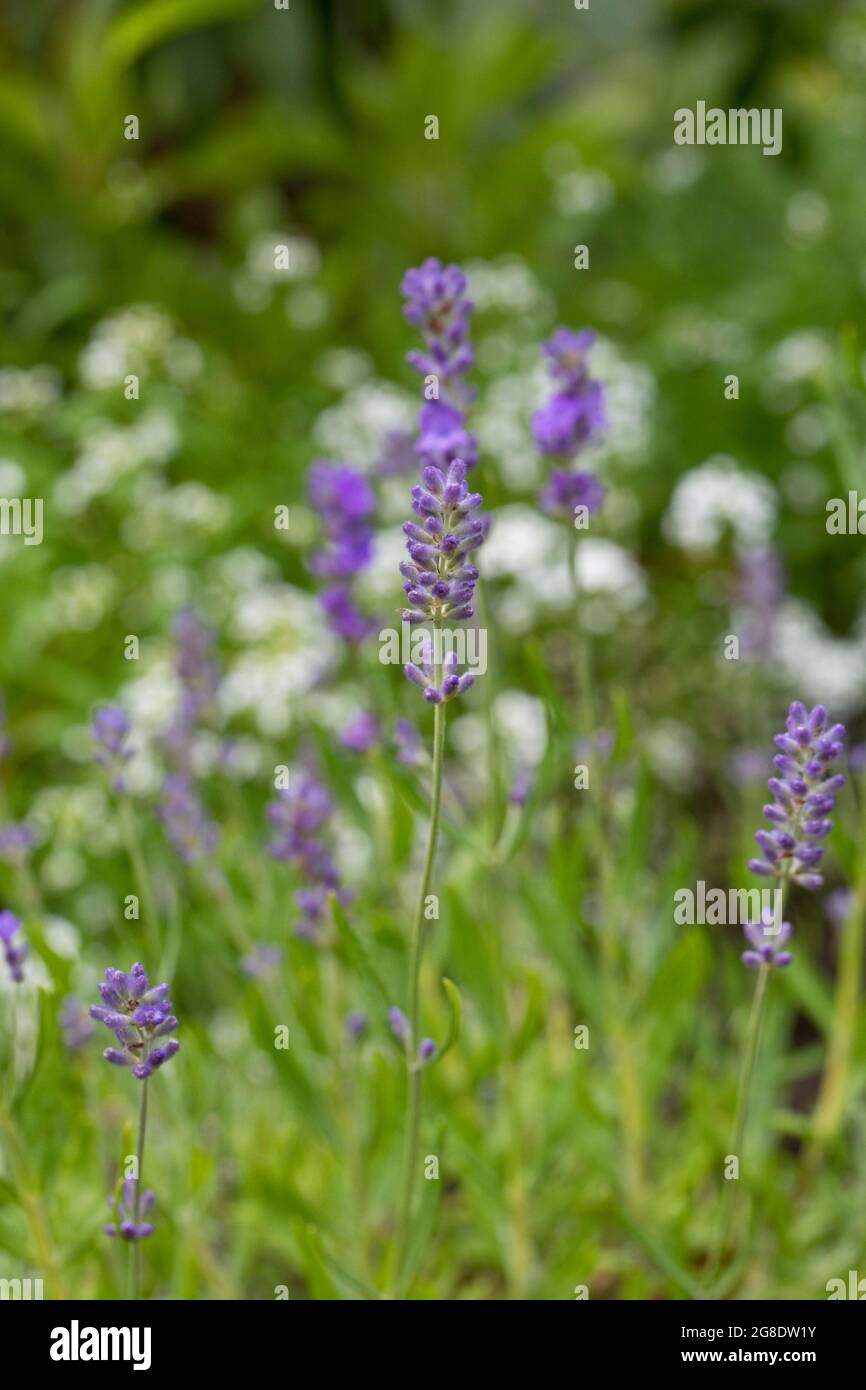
<point>630,1100</point>
<point>142,879</point>
<point>744,1089</point>
<point>135,1261</point>
<point>831,1097</point>
<point>416,946</point>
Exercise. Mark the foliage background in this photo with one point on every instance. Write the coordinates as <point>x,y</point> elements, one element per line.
<point>258,126</point>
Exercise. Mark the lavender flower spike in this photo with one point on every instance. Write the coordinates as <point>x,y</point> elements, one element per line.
<point>803,797</point>
<point>436,303</point>
<point>125,1223</point>
<point>110,728</point>
<point>15,952</point>
<point>765,941</point>
<point>399,1025</point>
<point>439,580</point>
<point>139,1017</point>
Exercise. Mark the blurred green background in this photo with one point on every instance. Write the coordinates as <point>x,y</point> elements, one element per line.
<point>260,127</point>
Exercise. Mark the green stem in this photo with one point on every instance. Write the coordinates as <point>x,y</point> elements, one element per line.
<point>834,1082</point>
<point>416,947</point>
<point>142,879</point>
<point>630,1101</point>
<point>135,1262</point>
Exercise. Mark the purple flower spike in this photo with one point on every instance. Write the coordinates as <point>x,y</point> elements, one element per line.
<point>110,729</point>
<point>14,951</point>
<point>399,1025</point>
<point>361,733</point>
<point>125,1223</point>
<point>139,1017</point>
<point>298,815</point>
<point>569,420</point>
<point>765,942</point>
<point>76,1028</point>
<point>16,844</point>
<point>345,503</point>
<point>191,835</point>
<point>356,1025</point>
<point>439,577</point>
<point>426,1050</point>
<point>566,491</point>
<point>436,302</point>
<point>804,795</point>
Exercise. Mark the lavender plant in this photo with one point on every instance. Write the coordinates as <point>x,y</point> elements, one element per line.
<point>141,1019</point>
<point>799,814</point>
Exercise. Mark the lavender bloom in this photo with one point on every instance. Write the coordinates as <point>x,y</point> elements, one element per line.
<point>139,1017</point>
<point>297,814</point>
<point>803,796</point>
<point>436,303</point>
<point>520,788</point>
<point>399,1025</point>
<point>426,1050</point>
<point>568,420</point>
<point>76,1028</point>
<point>361,733</point>
<point>345,501</point>
<point>125,1224</point>
<point>761,589</point>
<point>765,943</point>
<point>439,581</point>
<point>443,436</point>
<point>344,619</point>
<point>409,750</point>
<point>424,676</point>
<point>16,843</point>
<point>110,729</point>
<point>261,960</point>
<point>191,835</point>
<point>356,1025</point>
<point>397,456</point>
<point>195,663</point>
<point>565,492</point>
<point>14,951</point>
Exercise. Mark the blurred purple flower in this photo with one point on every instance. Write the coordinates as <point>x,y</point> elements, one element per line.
<point>409,748</point>
<point>437,303</point>
<point>110,729</point>
<point>16,843</point>
<point>565,491</point>
<point>397,456</point>
<point>14,951</point>
<point>399,1025</point>
<point>803,795</point>
<point>520,788</point>
<point>361,733</point>
<point>761,590</point>
<point>190,833</point>
<point>298,814</point>
<point>262,960</point>
<point>443,437</point>
<point>139,1017</point>
<point>356,1025</point>
<point>76,1028</point>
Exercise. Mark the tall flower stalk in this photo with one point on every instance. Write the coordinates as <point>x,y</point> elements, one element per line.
<point>439,582</point>
<point>142,1021</point>
<point>804,794</point>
